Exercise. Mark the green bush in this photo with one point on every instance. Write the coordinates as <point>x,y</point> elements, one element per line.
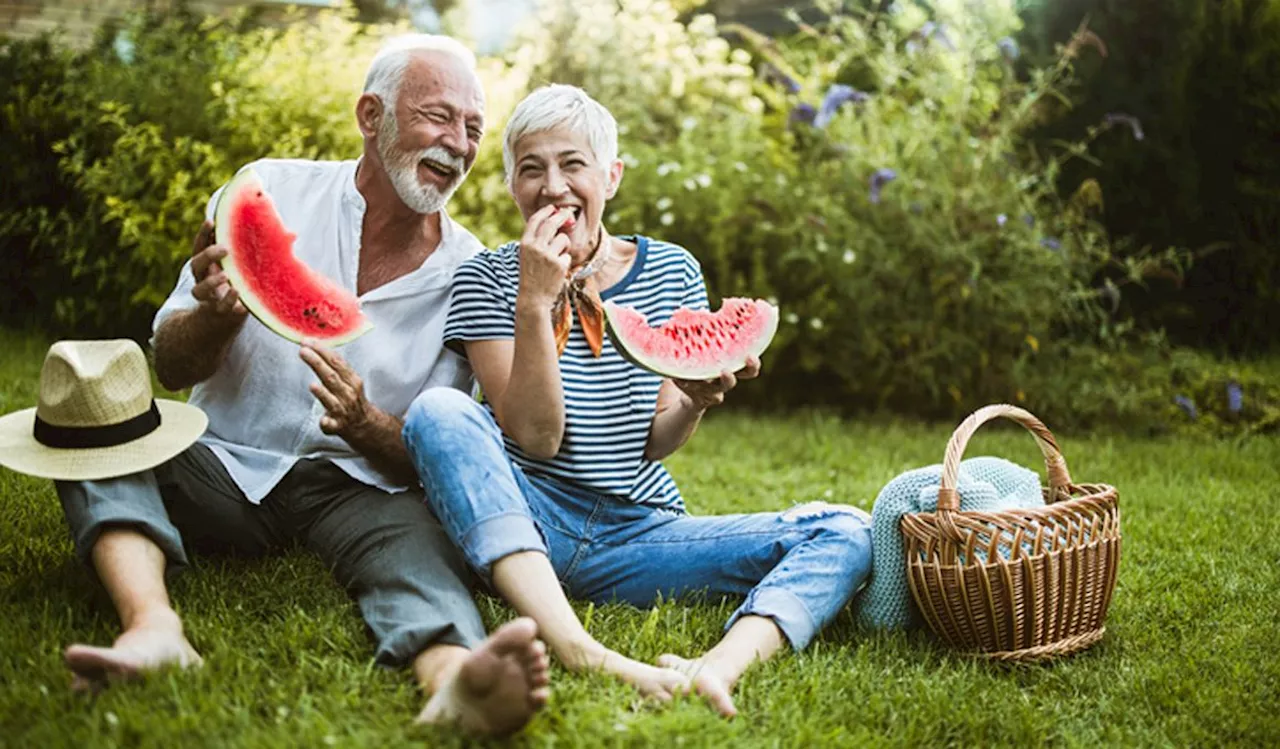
<point>115,164</point>
<point>961,280</point>
<point>1200,75</point>
<point>923,300</point>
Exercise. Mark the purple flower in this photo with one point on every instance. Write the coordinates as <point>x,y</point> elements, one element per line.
<point>804,112</point>
<point>1120,118</point>
<point>837,96</point>
<point>1188,405</point>
<point>930,32</point>
<point>1001,220</point>
<point>1235,397</point>
<point>772,75</point>
<point>880,178</point>
<point>940,35</point>
<point>1050,243</point>
<point>1009,48</point>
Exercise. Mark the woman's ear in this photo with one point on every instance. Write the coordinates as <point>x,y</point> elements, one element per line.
<point>615,178</point>
<point>369,114</point>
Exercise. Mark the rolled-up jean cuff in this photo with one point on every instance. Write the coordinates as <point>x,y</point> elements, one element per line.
<point>399,648</point>
<point>785,609</point>
<point>499,536</point>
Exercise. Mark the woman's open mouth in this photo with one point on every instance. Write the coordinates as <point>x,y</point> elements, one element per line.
<point>567,226</point>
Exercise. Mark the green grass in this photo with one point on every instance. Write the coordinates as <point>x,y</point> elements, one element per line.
<point>1189,657</point>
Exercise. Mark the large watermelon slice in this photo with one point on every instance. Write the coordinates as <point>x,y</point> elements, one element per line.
<point>275,286</point>
<point>694,344</point>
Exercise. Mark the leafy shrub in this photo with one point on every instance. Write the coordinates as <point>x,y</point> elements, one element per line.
<point>912,234</point>
<point>121,158</point>
<point>920,294</point>
<point>1200,77</point>
<point>1151,389</point>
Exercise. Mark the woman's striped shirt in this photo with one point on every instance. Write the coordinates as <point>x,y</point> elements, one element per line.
<point>609,402</point>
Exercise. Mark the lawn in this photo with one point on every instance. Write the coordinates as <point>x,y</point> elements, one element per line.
<point>1189,657</point>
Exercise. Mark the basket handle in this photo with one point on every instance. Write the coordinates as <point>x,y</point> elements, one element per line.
<point>1055,464</point>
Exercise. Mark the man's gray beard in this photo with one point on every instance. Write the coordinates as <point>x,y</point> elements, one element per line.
<point>402,169</point>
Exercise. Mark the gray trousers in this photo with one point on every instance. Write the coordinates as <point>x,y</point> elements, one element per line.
<point>387,550</point>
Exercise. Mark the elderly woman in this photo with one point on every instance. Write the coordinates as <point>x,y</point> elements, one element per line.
<point>554,484</point>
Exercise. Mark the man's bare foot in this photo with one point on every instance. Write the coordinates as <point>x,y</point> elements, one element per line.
<point>499,686</point>
<point>134,653</point>
<point>706,681</point>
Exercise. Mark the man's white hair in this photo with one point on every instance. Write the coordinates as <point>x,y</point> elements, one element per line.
<point>386,72</point>
<point>556,106</point>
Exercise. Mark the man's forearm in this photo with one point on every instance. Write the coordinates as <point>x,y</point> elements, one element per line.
<point>380,440</point>
<point>191,345</point>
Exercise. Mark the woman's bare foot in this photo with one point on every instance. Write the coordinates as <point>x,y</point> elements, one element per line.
<point>135,652</point>
<point>499,686</point>
<point>653,682</point>
<point>706,681</point>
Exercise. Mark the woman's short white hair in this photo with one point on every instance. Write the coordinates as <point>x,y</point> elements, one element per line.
<point>556,106</point>
<point>386,72</point>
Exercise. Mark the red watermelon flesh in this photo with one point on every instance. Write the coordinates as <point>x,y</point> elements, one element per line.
<point>694,344</point>
<point>277,288</point>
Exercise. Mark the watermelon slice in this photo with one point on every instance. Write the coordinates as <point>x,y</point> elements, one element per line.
<point>694,344</point>
<point>276,287</point>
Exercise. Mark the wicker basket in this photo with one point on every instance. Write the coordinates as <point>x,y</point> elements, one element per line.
<point>1016,585</point>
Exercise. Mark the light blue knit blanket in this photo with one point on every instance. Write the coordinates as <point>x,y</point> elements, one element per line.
<point>984,484</point>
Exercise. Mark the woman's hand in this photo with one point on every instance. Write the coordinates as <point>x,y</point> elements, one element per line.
<point>703,394</point>
<point>544,257</point>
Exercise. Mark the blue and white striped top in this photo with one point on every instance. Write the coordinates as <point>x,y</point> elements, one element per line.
<point>609,402</point>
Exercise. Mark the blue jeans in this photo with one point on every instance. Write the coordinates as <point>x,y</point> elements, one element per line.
<point>798,568</point>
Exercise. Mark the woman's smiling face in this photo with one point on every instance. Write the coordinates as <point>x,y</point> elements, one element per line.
<point>558,167</point>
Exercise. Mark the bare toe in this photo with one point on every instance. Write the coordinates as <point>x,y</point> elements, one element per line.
<point>498,688</point>
<point>706,681</point>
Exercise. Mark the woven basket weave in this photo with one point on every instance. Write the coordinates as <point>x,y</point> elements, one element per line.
<point>1016,585</point>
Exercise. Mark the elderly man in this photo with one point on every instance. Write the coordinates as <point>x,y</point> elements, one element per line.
<point>303,444</point>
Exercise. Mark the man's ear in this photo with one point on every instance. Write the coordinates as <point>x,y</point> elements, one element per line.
<point>615,178</point>
<point>369,114</point>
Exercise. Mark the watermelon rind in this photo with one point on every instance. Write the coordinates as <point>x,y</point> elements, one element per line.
<point>247,178</point>
<point>675,370</point>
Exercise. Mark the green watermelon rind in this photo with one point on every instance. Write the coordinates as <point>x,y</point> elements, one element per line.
<point>631,353</point>
<point>248,178</point>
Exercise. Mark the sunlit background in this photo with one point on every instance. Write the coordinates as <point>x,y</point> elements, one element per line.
<point>1073,205</point>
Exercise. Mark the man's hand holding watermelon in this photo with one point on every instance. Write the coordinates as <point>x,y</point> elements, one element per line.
<point>195,341</point>
<point>212,287</point>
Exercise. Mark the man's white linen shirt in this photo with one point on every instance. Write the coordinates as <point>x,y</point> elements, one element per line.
<point>262,416</point>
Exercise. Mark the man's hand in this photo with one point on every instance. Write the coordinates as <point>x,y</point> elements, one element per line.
<point>369,430</point>
<point>340,389</point>
<point>703,394</point>
<point>212,289</point>
<point>192,343</point>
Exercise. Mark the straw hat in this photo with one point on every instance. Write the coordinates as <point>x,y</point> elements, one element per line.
<point>96,418</point>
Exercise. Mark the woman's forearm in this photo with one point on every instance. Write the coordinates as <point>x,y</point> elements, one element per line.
<point>532,405</point>
<point>673,425</point>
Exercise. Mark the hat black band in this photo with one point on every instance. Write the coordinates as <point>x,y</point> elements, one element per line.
<point>108,435</point>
